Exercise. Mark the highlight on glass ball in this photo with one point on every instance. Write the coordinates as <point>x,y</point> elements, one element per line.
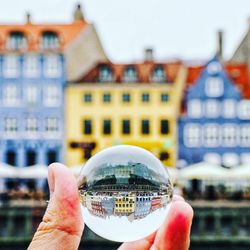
<point>125,193</point>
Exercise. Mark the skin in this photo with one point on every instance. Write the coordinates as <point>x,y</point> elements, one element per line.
<point>62,225</point>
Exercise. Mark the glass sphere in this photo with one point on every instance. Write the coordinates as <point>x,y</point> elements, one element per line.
<point>125,193</point>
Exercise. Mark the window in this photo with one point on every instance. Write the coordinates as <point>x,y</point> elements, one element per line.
<point>107,127</point>
<point>126,97</point>
<point>145,127</point>
<point>230,159</point>
<point>106,98</point>
<point>10,95</point>
<point>164,156</point>
<point>145,97</point>
<point>229,108</point>
<point>11,158</point>
<point>164,127</point>
<point>49,40</point>
<point>192,135</point>
<point>31,66</point>
<point>52,95</point>
<point>11,66</point>
<point>245,135</point>
<point>212,108</point>
<point>31,125</point>
<point>87,97</point>
<point>130,74</point>
<point>52,125</point>
<point>214,68</point>
<point>10,125</point>
<point>16,41</point>
<point>52,66</point>
<point>87,127</point>
<point>52,156</point>
<point>195,108</point>
<point>211,135</point>
<point>164,97</point>
<point>31,94</point>
<point>244,109</point>
<point>105,74</point>
<point>126,127</point>
<point>214,87</point>
<point>158,74</point>
<point>229,134</point>
<point>212,158</point>
<point>31,157</point>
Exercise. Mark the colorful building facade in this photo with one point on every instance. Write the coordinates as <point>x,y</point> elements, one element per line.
<point>215,123</point>
<point>34,61</point>
<point>134,104</point>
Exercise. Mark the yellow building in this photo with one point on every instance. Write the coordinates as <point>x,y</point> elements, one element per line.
<point>124,204</point>
<point>136,104</point>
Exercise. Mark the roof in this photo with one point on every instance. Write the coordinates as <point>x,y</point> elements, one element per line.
<point>66,33</point>
<point>144,71</point>
<point>238,73</point>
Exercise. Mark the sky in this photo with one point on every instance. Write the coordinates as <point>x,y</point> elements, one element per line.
<point>183,29</point>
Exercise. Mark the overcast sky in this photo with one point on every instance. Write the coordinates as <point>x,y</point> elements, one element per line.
<point>183,29</point>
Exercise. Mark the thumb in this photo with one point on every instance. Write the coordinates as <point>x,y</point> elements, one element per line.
<point>62,223</point>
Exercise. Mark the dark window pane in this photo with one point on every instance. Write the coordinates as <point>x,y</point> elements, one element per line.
<point>87,154</point>
<point>52,156</point>
<point>126,97</point>
<point>164,127</point>
<point>164,156</point>
<point>11,158</point>
<point>87,127</point>
<point>105,74</point>
<point>87,98</point>
<point>106,127</point>
<point>164,97</point>
<point>30,157</point>
<point>126,126</point>
<point>106,98</point>
<point>145,97</point>
<point>49,40</point>
<point>145,127</point>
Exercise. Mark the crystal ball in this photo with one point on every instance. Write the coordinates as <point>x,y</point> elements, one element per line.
<point>125,193</point>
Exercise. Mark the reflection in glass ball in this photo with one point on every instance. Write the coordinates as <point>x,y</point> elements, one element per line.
<point>125,192</point>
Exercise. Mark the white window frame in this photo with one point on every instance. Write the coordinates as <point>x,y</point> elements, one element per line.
<point>52,66</point>
<point>192,135</point>
<point>245,135</point>
<point>31,94</point>
<point>11,66</point>
<point>229,135</point>
<point>244,109</point>
<point>213,140</point>
<point>195,108</point>
<point>229,108</point>
<point>31,126</point>
<point>214,86</point>
<point>52,128</point>
<point>11,96</point>
<point>52,95</point>
<point>11,126</point>
<point>213,108</point>
<point>32,66</point>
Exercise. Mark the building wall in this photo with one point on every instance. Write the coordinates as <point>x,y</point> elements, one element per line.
<point>77,110</point>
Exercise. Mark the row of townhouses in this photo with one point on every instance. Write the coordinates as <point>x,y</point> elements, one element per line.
<point>61,99</point>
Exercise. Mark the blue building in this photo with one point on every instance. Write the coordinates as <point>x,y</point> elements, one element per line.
<point>215,126</point>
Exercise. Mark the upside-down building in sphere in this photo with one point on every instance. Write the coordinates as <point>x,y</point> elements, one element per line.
<point>136,104</point>
<point>35,62</point>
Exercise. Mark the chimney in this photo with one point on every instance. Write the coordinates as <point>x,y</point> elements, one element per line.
<point>220,44</point>
<point>78,14</point>
<point>28,18</point>
<point>149,54</point>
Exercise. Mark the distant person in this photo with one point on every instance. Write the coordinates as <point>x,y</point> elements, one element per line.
<point>62,225</point>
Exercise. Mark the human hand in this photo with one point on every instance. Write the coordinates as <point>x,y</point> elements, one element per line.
<point>62,225</point>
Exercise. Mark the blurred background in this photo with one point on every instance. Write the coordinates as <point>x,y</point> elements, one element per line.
<point>171,77</point>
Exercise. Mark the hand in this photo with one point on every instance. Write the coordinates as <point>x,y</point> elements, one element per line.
<point>62,224</point>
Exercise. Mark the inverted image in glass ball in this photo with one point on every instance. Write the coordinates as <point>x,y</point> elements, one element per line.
<point>125,193</point>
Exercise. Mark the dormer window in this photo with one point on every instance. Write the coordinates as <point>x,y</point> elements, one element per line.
<point>16,41</point>
<point>105,74</point>
<point>130,74</point>
<point>49,40</point>
<point>158,74</point>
